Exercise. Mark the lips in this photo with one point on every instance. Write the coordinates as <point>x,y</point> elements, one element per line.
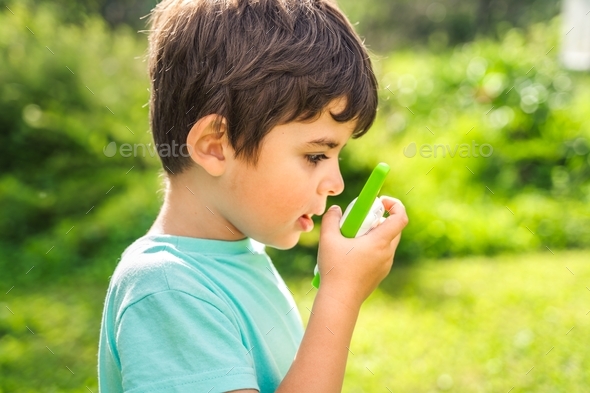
<point>306,223</point>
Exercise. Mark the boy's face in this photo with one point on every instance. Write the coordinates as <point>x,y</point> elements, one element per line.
<point>266,202</point>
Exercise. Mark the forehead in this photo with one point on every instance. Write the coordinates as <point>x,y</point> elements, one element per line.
<point>321,131</point>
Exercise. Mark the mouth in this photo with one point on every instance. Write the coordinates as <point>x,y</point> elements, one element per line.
<point>306,222</point>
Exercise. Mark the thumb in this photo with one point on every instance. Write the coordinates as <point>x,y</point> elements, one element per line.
<point>331,219</point>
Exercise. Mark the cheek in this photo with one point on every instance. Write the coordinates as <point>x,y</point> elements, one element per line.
<point>276,193</point>
<point>277,199</point>
<point>293,195</point>
<point>251,196</point>
<point>276,196</point>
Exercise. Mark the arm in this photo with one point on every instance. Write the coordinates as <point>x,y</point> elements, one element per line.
<point>356,267</point>
<point>321,360</point>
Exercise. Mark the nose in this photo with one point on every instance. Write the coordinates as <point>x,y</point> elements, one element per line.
<point>333,184</point>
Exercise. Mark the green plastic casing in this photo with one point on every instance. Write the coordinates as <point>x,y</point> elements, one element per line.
<point>361,207</point>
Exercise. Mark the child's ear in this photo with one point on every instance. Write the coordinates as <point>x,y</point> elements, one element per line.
<point>208,147</point>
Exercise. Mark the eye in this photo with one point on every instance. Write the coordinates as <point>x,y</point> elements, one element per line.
<point>314,159</point>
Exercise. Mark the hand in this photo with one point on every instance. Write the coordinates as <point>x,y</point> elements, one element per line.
<point>351,269</point>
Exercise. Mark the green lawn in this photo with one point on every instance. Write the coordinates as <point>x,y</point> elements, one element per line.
<point>469,325</point>
<point>474,325</point>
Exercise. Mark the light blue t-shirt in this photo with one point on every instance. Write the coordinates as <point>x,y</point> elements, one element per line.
<point>192,315</point>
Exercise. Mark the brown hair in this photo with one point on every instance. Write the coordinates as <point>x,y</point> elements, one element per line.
<point>258,64</point>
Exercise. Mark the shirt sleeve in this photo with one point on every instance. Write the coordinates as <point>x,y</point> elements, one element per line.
<point>172,341</point>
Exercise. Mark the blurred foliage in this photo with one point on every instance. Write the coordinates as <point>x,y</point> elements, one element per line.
<point>388,25</point>
<point>67,91</point>
<point>114,12</point>
<point>426,328</point>
<point>532,191</point>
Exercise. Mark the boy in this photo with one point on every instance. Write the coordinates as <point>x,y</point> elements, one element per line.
<point>261,96</point>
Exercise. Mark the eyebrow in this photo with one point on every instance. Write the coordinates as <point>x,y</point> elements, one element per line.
<point>324,142</point>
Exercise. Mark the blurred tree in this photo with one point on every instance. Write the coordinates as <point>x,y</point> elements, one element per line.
<point>67,92</point>
<point>388,25</point>
<point>62,100</point>
<point>114,12</point>
<point>385,24</point>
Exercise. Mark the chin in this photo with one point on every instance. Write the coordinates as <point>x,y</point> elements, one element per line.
<point>285,244</point>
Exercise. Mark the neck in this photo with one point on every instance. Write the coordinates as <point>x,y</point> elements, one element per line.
<point>188,211</point>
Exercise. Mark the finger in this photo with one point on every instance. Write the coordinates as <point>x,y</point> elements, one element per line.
<point>391,204</point>
<point>397,220</point>
<point>395,241</point>
<point>331,219</point>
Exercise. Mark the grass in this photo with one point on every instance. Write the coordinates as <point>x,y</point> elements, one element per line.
<point>466,325</point>
<point>511,323</point>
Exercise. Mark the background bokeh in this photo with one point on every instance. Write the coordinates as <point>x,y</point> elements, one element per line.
<point>453,77</point>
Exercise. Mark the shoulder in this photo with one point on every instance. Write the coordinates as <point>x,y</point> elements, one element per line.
<point>148,268</point>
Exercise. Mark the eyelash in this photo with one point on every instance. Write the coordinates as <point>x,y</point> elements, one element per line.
<point>315,161</point>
